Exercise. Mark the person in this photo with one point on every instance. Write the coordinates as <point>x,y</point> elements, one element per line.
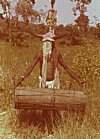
<point>49,58</point>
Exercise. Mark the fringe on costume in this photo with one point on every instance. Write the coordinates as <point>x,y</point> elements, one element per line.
<point>47,50</point>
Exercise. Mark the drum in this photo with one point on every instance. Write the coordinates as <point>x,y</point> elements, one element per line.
<point>43,98</point>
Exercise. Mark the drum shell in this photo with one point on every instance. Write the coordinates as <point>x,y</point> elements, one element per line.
<point>43,98</point>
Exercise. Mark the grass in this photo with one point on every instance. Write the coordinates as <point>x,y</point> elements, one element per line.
<point>84,60</point>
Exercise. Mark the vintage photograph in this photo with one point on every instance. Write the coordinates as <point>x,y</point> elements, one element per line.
<point>49,69</point>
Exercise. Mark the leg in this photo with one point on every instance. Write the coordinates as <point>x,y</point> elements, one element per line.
<point>56,118</point>
<point>47,117</point>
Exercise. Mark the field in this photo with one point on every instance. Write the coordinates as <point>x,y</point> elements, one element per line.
<point>84,60</point>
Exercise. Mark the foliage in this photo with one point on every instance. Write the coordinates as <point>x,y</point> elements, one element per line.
<point>81,54</point>
<point>81,6</point>
<point>25,11</point>
<point>84,60</point>
<point>19,35</point>
<point>5,6</point>
<point>97,32</point>
<point>72,35</point>
<point>33,1</point>
<point>15,30</point>
<point>83,1</point>
<point>82,21</point>
<point>52,3</point>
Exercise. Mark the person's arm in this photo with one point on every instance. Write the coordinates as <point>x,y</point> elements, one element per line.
<point>28,70</point>
<point>70,72</point>
<point>34,34</point>
<point>59,37</point>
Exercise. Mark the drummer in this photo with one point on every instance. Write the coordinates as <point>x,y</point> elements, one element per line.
<point>49,58</point>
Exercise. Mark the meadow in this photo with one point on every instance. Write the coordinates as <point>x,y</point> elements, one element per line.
<point>84,60</point>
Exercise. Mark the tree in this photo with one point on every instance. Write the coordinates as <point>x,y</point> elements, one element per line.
<point>82,21</point>
<point>82,1</point>
<point>24,9</point>
<point>97,32</point>
<point>52,3</point>
<point>6,7</point>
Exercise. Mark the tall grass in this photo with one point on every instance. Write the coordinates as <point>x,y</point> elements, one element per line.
<point>84,60</point>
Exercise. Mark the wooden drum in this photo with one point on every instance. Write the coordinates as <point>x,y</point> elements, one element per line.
<point>43,98</point>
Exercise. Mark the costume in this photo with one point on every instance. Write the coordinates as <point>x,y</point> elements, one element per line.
<point>54,84</point>
<point>47,49</point>
<point>50,117</point>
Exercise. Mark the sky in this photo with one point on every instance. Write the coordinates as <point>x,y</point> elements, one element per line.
<point>64,10</point>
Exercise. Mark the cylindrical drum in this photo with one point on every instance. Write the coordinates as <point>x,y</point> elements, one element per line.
<point>43,98</point>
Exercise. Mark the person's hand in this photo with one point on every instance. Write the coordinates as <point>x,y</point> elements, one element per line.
<point>17,82</point>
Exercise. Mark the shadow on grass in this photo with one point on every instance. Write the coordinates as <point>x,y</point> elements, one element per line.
<point>30,117</point>
<point>41,121</point>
